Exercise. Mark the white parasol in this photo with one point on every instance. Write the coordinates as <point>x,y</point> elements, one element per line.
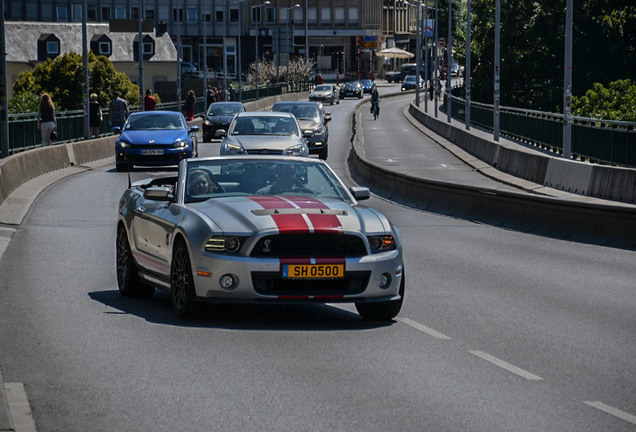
<point>395,53</point>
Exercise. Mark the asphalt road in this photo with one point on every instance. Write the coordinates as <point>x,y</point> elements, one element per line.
<point>500,330</point>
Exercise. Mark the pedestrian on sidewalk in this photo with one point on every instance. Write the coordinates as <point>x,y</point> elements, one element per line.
<point>150,103</point>
<point>188,108</point>
<point>118,111</point>
<point>47,123</point>
<point>95,115</point>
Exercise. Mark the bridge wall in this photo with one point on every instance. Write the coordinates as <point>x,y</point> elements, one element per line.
<point>600,181</point>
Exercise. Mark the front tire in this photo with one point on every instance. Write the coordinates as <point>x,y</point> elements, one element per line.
<point>383,311</point>
<point>127,275</point>
<point>182,290</point>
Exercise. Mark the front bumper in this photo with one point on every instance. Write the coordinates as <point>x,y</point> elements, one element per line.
<point>261,280</point>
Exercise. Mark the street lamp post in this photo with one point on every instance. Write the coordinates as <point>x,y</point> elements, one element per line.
<point>435,53</point>
<point>449,50</point>
<point>290,47</point>
<point>266,3</point>
<point>306,33</point>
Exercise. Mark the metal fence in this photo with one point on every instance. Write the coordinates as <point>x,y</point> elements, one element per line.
<point>594,140</point>
<point>23,134</point>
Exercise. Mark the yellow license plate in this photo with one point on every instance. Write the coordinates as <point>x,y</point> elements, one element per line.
<point>313,271</point>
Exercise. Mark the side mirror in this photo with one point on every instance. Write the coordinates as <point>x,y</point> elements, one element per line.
<point>116,130</point>
<point>360,193</point>
<point>220,133</point>
<point>159,193</point>
<point>308,134</point>
<point>194,128</point>
<point>327,117</point>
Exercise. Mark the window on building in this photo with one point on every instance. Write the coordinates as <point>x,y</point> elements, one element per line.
<point>16,10</point>
<point>177,17</point>
<point>134,12</point>
<point>192,15</point>
<point>106,13</point>
<point>256,14</point>
<point>234,15</point>
<point>120,12</point>
<point>312,15</point>
<point>164,13</point>
<point>353,15</point>
<point>218,16</point>
<point>76,12</point>
<point>91,12</point>
<point>339,15</point>
<point>207,15</point>
<point>149,48</point>
<point>52,47</point>
<point>104,48</point>
<point>61,13</point>
<point>47,12</point>
<point>271,15</point>
<point>325,15</point>
<point>284,15</point>
<point>150,13</point>
<point>32,11</point>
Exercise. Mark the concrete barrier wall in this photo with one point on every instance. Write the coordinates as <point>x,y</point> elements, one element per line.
<point>22,167</point>
<point>600,181</point>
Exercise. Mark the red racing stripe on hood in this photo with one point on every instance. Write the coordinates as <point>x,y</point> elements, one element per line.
<point>320,222</point>
<point>286,223</point>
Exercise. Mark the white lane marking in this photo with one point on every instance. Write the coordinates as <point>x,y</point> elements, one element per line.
<point>429,331</point>
<point>19,407</point>
<point>612,411</point>
<point>507,366</point>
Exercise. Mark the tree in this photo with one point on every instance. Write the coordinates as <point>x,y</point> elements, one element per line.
<point>63,79</point>
<point>616,102</point>
<point>532,49</point>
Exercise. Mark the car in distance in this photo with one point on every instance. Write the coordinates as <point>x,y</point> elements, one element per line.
<point>154,138</point>
<point>367,85</point>
<point>399,74</point>
<point>263,132</point>
<point>352,89</point>
<point>410,82</point>
<point>325,93</point>
<point>257,229</point>
<point>311,120</point>
<point>218,116</point>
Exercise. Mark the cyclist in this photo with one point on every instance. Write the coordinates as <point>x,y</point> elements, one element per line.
<point>375,101</point>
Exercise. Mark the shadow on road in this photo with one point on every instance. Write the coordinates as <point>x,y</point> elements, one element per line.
<point>292,317</point>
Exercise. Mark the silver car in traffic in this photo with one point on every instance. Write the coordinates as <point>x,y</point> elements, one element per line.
<point>265,133</point>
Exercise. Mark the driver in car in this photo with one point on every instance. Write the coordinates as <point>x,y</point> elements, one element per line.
<point>285,181</point>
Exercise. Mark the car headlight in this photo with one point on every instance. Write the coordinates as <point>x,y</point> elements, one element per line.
<point>319,130</point>
<point>382,243</point>
<point>207,122</point>
<point>227,244</point>
<point>234,148</point>
<point>295,150</point>
<point>124,144</point>
<point>180,143</point>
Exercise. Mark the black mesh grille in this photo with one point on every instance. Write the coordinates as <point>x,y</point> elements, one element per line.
<point>313,245</point>
<point>273,284</point>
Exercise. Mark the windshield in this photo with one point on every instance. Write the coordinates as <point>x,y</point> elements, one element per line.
<point>250,177</point>
<point>264,125</point>
<point>224,110</point>
<point>323,88</point>
<point>301,112</point>
<point>154,121</point>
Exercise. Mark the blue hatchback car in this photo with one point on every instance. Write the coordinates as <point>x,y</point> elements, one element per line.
<point>155,138</point>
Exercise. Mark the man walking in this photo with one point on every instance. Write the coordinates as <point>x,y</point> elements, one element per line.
<point>118,111</point>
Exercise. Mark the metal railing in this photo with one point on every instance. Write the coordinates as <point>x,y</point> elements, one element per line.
<point>594,140</point>
<point>24,135</point>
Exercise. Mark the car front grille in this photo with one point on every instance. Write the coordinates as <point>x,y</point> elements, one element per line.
<point>309,245</point>
<point>271,283</point>
<point>264,151</point>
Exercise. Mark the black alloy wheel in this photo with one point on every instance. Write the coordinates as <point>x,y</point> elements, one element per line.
<point>128,280</point>
<point>182,290</point>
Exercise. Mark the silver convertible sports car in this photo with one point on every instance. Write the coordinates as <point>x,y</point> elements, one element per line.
<point>258,229</point>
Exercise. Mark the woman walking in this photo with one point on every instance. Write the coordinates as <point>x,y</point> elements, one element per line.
<point>189,106</point>
<point>47,122</point>
<point>95,115</point>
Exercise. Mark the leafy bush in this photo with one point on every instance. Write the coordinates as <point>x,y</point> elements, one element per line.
<point>616,102</point>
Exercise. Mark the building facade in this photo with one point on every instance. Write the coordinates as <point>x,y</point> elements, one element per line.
<point>340,36</point>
